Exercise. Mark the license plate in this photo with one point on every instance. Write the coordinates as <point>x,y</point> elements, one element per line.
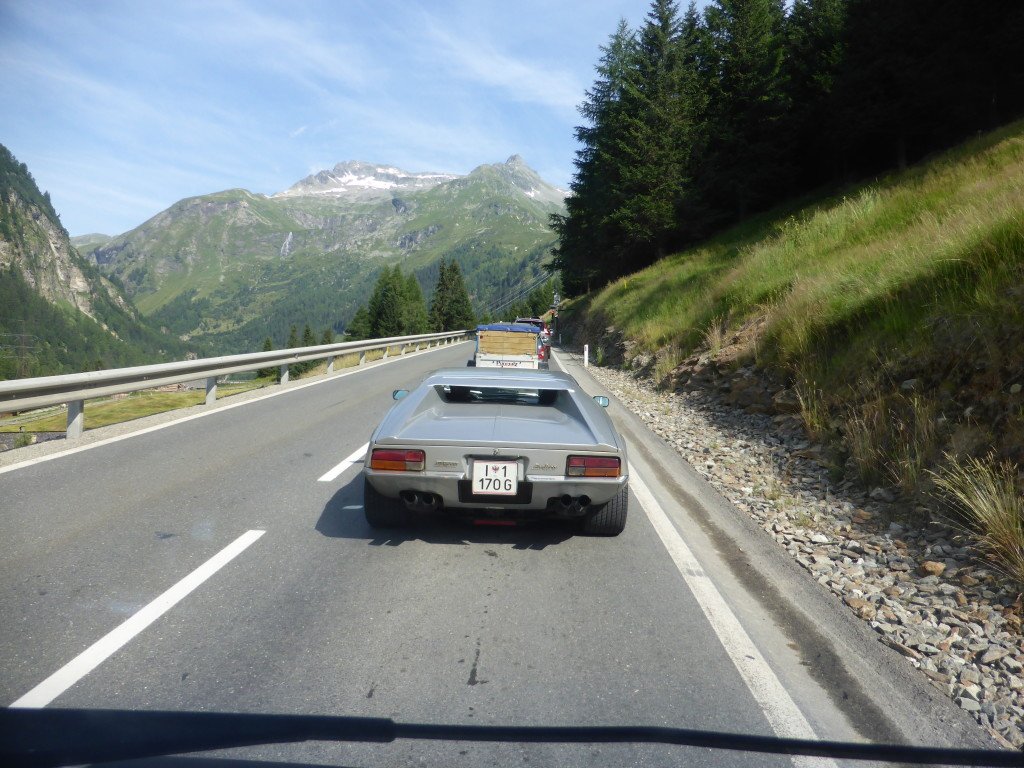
<point>495,478</point>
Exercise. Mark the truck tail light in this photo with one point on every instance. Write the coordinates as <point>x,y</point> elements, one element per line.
<point>592,466</point>
<point>400,460</point>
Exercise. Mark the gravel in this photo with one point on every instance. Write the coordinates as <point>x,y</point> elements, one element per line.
<point>921,590</point>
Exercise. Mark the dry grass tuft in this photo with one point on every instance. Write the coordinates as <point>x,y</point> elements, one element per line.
<point>715,334</point>
<point>989,505</point>
<point>893,440</point>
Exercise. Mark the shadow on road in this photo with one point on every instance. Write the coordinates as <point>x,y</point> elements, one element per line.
<point>342,517</point>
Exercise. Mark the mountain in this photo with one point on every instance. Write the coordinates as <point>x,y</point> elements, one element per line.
<point>235,267</point>
<point>58,313</point>
<point>90,242</point>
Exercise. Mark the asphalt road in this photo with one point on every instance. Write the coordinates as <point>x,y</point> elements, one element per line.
<point>443,623</point>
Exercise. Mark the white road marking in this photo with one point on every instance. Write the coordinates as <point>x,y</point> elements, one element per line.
<point>106,646</point>
<point>357,455</point>
<point>782,713</point>
<point>219,409</point>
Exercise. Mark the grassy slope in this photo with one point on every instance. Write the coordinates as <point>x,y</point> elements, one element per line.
<point>848,278</point>
<point>919,275</point>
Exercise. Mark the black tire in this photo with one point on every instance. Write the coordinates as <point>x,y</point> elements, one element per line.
<point>382,512</point>
<point>610,519</point>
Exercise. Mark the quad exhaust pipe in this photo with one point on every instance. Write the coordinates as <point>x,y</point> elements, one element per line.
<point>575,504</point>
<point>420,501</point>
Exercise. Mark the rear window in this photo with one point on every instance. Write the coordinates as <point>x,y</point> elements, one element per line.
<point>502,395</point>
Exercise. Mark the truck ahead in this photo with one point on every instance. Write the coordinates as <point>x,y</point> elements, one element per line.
<point>507,345</point>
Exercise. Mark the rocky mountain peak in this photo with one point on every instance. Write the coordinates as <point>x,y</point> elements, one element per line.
<point>355,178</point>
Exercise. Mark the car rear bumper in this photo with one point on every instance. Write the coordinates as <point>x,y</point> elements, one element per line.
<point>554,496</point>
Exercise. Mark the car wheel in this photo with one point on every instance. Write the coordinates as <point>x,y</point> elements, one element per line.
<point>382,512</point>
<point>610,519</point>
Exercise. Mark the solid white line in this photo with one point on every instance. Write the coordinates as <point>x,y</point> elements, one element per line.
<point>219,409</point>
<point>357,455</point>
<point>106,646</point>
<point>782,713</point>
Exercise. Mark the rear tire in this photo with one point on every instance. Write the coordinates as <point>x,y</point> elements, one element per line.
<point>382,512</point>
<point>610,519</point>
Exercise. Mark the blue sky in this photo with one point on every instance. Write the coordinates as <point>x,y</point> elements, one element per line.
<point>120,109</point>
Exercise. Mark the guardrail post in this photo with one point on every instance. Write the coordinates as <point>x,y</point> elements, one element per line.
<point>586,355</point>
<point>330,365</point>
<point>211,390</point>
<point>405,348</point>
<point>386,350</point>
<point>76,419</point>
<point>283,379</point>
<point>362,357</point>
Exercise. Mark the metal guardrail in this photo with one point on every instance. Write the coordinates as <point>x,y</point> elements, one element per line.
<point>75,388</point>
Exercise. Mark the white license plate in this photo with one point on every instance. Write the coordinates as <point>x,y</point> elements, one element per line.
<point>495,478</point>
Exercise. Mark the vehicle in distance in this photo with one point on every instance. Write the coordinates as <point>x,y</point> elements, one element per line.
<point>542,327</point>
<point>495,445</point>
<point>507,345</point>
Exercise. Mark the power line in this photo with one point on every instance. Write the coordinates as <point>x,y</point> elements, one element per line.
<point>504,301</point>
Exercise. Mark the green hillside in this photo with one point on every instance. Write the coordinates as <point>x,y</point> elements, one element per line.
<point>58,314</point>
<point>895,308</point>
<point>233,268</point>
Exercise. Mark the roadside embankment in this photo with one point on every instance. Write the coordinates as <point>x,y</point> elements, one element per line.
<point>922,590</point>
<point>849,371</point>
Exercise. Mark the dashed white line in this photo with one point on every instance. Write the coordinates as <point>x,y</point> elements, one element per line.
<point>781,711</point>
<point>106,646</point>
<point>357,455</point>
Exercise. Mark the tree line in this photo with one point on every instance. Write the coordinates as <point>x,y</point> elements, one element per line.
<point>698,119</point>
<point>396,307</point>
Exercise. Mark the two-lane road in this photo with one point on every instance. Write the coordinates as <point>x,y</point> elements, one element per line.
<point>314,612</point>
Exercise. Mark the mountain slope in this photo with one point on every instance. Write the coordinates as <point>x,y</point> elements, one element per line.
<point>234,267</point>
<point>57,312</point>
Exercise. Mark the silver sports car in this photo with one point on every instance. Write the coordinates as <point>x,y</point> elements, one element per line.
<point>497,446</point>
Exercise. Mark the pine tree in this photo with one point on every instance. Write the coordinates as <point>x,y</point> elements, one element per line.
<point>272,372</point>
<point>748,146</point>
<point>654,151</point>
<point>450,307</point>
<point>460,310</point>
<point>415,318</point>
<point>586,241</point>
<point>438,298</point>
<point>385,305</point>
<point>359,326</point>
<point>815,49</point>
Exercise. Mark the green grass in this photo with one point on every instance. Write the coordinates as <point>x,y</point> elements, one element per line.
<point>842,280</point>
<point>918,275</point>
<point>135,405</point>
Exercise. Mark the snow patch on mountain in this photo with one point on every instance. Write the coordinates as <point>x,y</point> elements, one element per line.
<point>358,178</point>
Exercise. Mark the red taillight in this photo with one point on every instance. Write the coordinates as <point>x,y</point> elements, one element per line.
<point>592,466</point>
<point>400,461</point>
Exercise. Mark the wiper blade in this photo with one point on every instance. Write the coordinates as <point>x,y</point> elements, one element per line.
<point>43,738</point>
